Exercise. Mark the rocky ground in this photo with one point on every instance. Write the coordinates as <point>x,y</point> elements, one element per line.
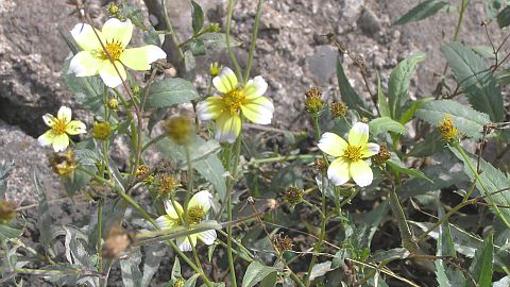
<point>292,54</point>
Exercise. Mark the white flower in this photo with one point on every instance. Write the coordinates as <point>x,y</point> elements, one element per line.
<point>196,212</point>
<point>234,100</point>
<point>115,36</point>
<point>61,127</point>
<point>350,157</point>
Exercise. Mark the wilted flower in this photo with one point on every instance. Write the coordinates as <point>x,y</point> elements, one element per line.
<point>117,241</point>
<point>180,129</point>
<point>282,242</point>
<point>338,109</point>
<point>115,36</point>
<point>313,102</point>
<point>63,163</point>
<point>7,211</point>
<point>235,100</point>
<point>294,195</point>
<point>349,162</point>
<point>61,127</point>
<point>101,130</point>
<point>321,165</point>
<point>382,156</point>
<point>196,212</point>
<point>447,129</point>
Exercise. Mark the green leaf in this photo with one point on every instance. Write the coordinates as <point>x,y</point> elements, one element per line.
<point>382,100</point>
<point>129,267</point>
<point>176,269</point>
<point>468,121</point>
<point>411,111</point>
<point>197,18</point>
<point>399,83</point>
<point>5,169</point>
<point>386,256</point>
<point>476,79</point>
<point>169,92</point>
<point>492,7</point>
<point>504,17</point>
<point>320,269</point>
<point>429,146</point>
<point>257,273</point>
<point>347,92</point>
<point>481,267</point>
<point>421,11</point>
<point>385,124</point>
<point>154,253</point>
<point>7,232</point>
<point>44,220</point>
<point>398,167</point>
<point>216,41</point>
<point>192,281</point>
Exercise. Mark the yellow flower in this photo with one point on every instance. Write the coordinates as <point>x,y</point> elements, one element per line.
<point>350,156</point>
<point>115,36</point>
<point>61,127</point>
<point>226,109</point>
<point>447,129</point>
<point>196,212</point>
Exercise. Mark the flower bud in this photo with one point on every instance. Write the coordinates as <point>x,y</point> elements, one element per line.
<point>113,103</point>
<point>313,102</point>
<point>179,282</point>
<point>113,9</point>
<point>101,130</point>
<point>215,69</point>
<point>213,28</point>
<point>294,195</point>
<point>447,129</point>
<point>180,129</point>
<point>167,184</point>
<point>338,109</point>
<point>382,156</point>
<point>63,163</point>
<point>7,211</point>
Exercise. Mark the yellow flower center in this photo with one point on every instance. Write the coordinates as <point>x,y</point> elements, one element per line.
<point>352,153</point>
<point>232,101</point>
<point>195,215</point>
<point>114,49</point>
<point>59,127</point>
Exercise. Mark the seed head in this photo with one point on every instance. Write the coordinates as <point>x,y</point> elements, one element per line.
<point>167,184</point>
<point>142,171</point>
<point>313,102</point>
<point>294,195</point>
<point>180,129</point>
<point>338,109</point>
<point>382,156</point>
<point>101,130</point>
<point>7,211</point>
<point>447,129</point>
<point>63,163</point>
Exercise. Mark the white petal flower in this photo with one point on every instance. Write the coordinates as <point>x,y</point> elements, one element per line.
<point>60,128</point>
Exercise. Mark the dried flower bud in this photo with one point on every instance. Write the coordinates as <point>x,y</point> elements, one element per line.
<point>63,163</point>
<point>447,129</point>
<point>117,241</point>
<point>294,195</point>
<point>142,171</point>
<point>313,102</point>
<point>382,156</point>
<point>113,103</point>
<point>321,165</point>
<point>101,130</point>
<point>215,69</point>
<point>180,129</point>
<point>282,242</point>
<point>167,184</point>
<point>213,28</point>
<point>7,211</point>
<point>338,109</point>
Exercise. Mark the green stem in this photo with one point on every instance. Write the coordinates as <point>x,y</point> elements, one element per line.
<point>100,234</point>
<point>461,17</point>
<point>233,58</point>
<point>281,158</point>
<point>400,216</point>
<point>253,41</point>
<point>317,127</point>
<point>153,141</point>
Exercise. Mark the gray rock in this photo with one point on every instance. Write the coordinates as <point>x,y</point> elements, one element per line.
<point>368,22</point>
<point>322,63</point>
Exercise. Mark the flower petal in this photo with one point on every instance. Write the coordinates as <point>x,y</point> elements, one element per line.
<point>140,59</point>
<point>64,114</point>
<point>46,139</point>
<point>255,88</point>
<point>228,128</point>
<point>259,110</point>
<point>338,171</point>
<point>116,30</point>
<point>226,81</point>
<point>208,237</point>
<point>184,244</point>
<point>358,135</point>
<point>361,173</point>
<point>332,144</point>
<point>49,120</point>
<point>165,222</point>
<point>370,149</point>
<point>171,211</point>
<point>85,37</point>
<point>210,109</point>
<point>84,64</point>
<point>76,128</point>
<point>109,74</point>
<point>201,199</point>
<point>60,142</point>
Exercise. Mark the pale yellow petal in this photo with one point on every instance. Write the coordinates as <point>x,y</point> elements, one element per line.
<point>338,172</point>
<point>228,128</point>
<point>370,149</point>
<point>226,81</point>
<point>361,173</point>
<point>46,139</point>
<point>109,74</point>
<point>173,209</point>
<point>76,128</point>
<point>332,144</point>
<point>115,30</point>
<point>84,64</point>
<point>358,135</point>
<point>208,237</point>
<point>65,114</point>
<point>255,88</point>
<point>49,119</point>
<point>184,244</point>
<point>202,199</point>
<point>85,37</point>
<point>258,110</point>
<point>140,59</point>
<point>210,109</point>
<point>60,142</point>
<point>165,222</point>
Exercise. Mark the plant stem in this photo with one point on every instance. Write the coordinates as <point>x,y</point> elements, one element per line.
<point>233,58</point>
<point>100,233</point>
<point>400,216</point>
<point>253,41</point>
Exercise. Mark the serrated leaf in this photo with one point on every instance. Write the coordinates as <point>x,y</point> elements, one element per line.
<point>197,18</point>
<point>399,167</point>
<point>129,267</point>
<point>169,92</point>
<point>385,124</point>
<point>421,11</point>
<point>468,121</point>
<point>476,79</point>
<point>504,17</point>
<point>399,83</point>
<point>481,267</point>
<point>7,232</point>
<point>410,112</point>
<point>347,92</point>
<point>256,273</point>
